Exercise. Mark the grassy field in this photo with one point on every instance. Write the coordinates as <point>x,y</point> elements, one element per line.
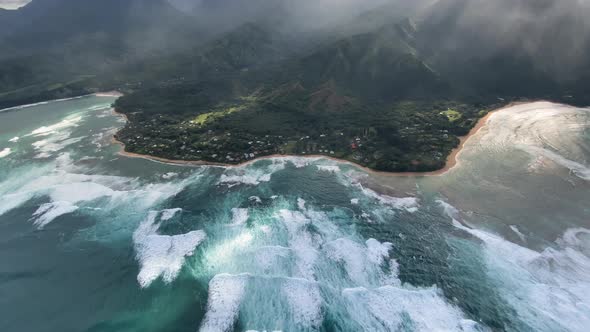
<point>452,115</point>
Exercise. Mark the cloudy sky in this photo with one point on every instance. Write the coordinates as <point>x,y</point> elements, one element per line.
<point>12,4</point>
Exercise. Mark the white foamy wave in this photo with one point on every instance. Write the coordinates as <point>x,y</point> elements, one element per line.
<point>248,179</point>
<point>40,103</point>
<point>576,168</point>
<point>239,216</point>
<point>301,242</point>
<point>361,262</point>
<point>53,144</point>
<point>104,138</point>
<point>14,139</point>
<point>80,192</point>
<point>61,183</point>
<point>449,210</point>
<point>223,305</point>
<point>388,308</point>
<point>268,256</point>
<point>352,255</point>
<point>330,169</point>
<point>12,201</point>
<point>226,251</point>
<point>169,175</point>
<point>66,123</point>
<point>305,302</point>
<point>255,199</point>
<point>265,229</point>
<point>251,174</point>
<point>377,252</point>
<point>301,204</point>
<point>80,187</point>
<point>518,232</point>
<point>99,107</point>
<point>548,289</point>
<point>169,214</point>
<point>577,238</point>
<point>48,212</point>
<point>410,204</point>
<point>299,162</point>
<point>5,152</point>
<point>162,255</point>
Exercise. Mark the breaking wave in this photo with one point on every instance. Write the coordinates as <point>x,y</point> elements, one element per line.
<point>549,289</point>
<point>162,255</point>
<point>296,263</point>
<point>5,152</point>
<point>269,254</point>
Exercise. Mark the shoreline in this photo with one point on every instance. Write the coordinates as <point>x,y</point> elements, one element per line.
<point>97,94</point>
<point>451,161</point>
<point>109,94</point>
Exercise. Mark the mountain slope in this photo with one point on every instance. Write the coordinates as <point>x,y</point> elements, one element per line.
<point>54,48</point>
<point>514,47</point>
<point>383,65</point>
<point>129,26</point>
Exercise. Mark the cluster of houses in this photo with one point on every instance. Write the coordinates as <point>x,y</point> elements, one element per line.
<point>152,138</point>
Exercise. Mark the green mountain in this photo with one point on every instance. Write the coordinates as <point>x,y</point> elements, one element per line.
<point>55,48</point>
<point>381,65</point>
<point>507,47</point>
<point>354,99</point>
<point>123,26</point>
<point>383,90</point>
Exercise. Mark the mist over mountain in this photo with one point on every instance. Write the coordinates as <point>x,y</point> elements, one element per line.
<point>473,47</point>
<point>133,25</point>
<point>553,35</point>
<point>295,165</point>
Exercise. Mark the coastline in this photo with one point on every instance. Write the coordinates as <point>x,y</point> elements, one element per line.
<point>109,94</point>
<point>97,94</point>
<point>451,161</point>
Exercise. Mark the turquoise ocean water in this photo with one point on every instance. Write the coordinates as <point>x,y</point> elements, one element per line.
<point>94,241</point>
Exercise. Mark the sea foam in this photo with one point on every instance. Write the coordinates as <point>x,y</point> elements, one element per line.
<point>305,302</point>
<point>5,152</point>
<point>169,214</point>
<point>389,308</point>
<point>576,168</point>
<point>48,212</point>
<point>239,216</point>
<point>410,204</point>
<point>225,296</point>
<point>549,289</point>
<point>162,255</point>
<point>301,242</point>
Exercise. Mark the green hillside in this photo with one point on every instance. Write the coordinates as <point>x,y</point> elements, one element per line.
<point>383,90</point>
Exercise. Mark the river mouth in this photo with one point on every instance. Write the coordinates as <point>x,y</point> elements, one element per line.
<point>96,241</point>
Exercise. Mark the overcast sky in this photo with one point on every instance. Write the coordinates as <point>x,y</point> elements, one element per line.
<point>13,4</point>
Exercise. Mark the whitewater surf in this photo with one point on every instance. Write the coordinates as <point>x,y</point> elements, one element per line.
<point>92,240</point>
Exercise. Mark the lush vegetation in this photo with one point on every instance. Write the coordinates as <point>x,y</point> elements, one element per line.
<point>384,95</point>
<point>402,136</point>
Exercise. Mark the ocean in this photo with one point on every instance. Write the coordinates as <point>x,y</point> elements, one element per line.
<point>91,240</point>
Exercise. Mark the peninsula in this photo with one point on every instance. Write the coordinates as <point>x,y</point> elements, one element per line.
<point>416,137</point>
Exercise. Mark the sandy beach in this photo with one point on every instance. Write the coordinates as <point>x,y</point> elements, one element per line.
<point>451,162</point>
<point>109,94</point>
